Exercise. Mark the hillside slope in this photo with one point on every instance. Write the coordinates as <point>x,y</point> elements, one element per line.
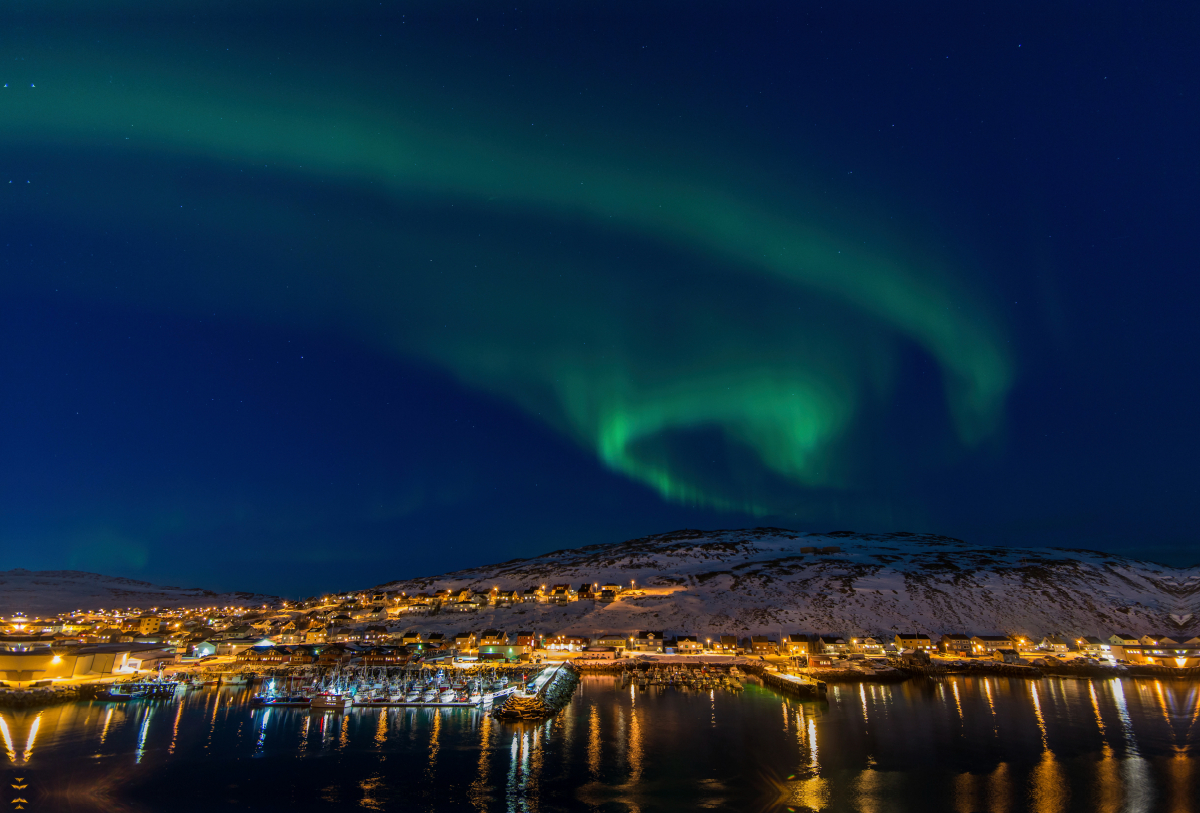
<point>759,581</point>
<point>46,592</point>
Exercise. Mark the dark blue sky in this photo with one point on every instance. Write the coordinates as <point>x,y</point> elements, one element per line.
<point>293,302</point>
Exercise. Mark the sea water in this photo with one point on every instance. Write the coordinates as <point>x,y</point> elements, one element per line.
<point>956,744</point>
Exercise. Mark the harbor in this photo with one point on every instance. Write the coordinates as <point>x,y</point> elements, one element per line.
<point>618,744</point>
<point>343,688</point>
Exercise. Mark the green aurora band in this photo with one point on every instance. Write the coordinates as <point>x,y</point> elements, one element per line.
<point>627,349</point>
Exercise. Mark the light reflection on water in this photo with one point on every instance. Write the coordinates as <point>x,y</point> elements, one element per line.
<point>964,744</point>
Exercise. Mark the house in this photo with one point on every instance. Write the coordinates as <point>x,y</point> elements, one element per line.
<point>1022,643</point>
<point>384,656</point>
<point>763,645</point>
<point>610,639</point>
<point>1156,640</point>
<point>563,593</point>
<point>466,642</point>
<point>531,595</point>
<point>469,603</point>
<point>585,592</point>
<point>263,626</point>
<point>236,631</point>
<point>412,638</point>
<point>647,641</point>
<point>435,640</point>
<point>688,645</point>
<point>344,635</point>
<point>149,660</point>
<point>1053,643</point>
<point>265,655</point>
<point>304,654</point>
<point>147,624</point>
<point>567,643</point>
<point>1122,639</point>
<point>1093,647</point>
<point>492,638</point>
<point>529,639</point>
<point>316,635</point>
<point>955,643</point>
<point>233,646</point>
<point>507,598</point>
<point>334,654</point>
<point>833,645</point>
<point>1007,655</point>
<point>420,604</point>
<point>202,649</point>
<point>727,644</point>
<point>374,635</point>
<point>599,653</point>
<point>794,645</point>
<point>610,587</point>
<point>866,645</point>
<point>987,644</point>
<point>916,641</point>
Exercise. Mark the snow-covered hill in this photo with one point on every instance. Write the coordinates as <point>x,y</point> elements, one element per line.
<point>46,592</point>
<point>759,581</point>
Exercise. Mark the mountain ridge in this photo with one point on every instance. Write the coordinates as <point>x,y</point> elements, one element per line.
<point>47,592</point>
<point>757,580</point>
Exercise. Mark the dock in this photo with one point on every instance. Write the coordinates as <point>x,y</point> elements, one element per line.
<point>799,685</point>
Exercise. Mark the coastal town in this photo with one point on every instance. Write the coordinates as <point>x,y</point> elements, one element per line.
<point>382,628</point>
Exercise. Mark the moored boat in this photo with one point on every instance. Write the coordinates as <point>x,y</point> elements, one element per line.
<point>327,701</point>
<point>295,701</point>
<point>120,694</point>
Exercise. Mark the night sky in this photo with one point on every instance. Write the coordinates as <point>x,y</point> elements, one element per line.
<point>297,299</point>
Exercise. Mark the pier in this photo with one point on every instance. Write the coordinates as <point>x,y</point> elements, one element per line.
<point>798,685</point>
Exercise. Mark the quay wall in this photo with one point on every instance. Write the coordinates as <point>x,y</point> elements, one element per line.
<point>46,696</point>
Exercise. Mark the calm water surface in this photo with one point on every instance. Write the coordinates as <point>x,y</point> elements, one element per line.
<point>962,744</point>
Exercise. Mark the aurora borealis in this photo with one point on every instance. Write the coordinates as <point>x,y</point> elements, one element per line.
<point>702,319</point>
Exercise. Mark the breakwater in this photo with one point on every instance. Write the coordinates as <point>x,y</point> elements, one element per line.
<point>549,699</point>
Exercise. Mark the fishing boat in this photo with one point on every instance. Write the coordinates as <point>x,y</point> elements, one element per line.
<point>329,701</point>
<point>121,694</point>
